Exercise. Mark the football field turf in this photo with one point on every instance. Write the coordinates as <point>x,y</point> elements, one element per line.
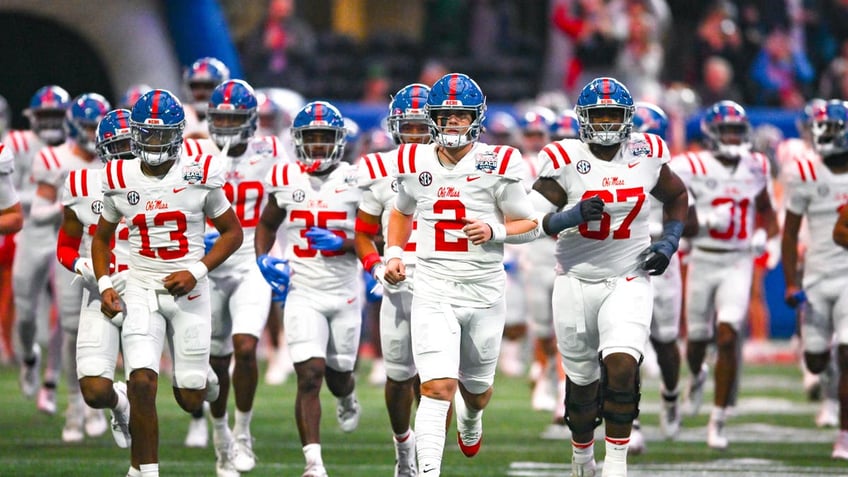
<point>772,434</point>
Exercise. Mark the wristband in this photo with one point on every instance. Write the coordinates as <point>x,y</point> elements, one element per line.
<point>393,252</point>
<point>198,270</point>
<point>370,260</point>
<point>104,283</point>
<point>498,232</point>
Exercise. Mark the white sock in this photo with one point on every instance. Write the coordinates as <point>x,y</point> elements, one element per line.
<point>221,430</point>
<point>470,415</point>
<point>403,437</point>
<point>241,427</point>
<point>583,453</point>
<point>312,453</point>
<point>149,470</point>
<point>718,414</point>
<point>616,450</point>
<point>133,472</point>
<point>122,404</point>
<point>430,434</point>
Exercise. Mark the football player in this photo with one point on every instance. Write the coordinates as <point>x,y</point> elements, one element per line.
<point>602,295</point>
<point>315,201</point>
<point>407,124</point>
<point>240,296</point>
<point>200,79</point>
<point>816,189</point>
<point>98,340</point>
<point>11,212</point>
<point>469,199</point>
<point>730,186</point>
<point>166,199</point>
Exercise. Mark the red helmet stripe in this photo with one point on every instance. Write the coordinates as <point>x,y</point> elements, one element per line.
<point>605,88</point>
<point>154,105</point>
<point>122,120</point>
<point>228,92</point>
<point>454,81</point>
<point>416,92</point>
<point>319,112</point>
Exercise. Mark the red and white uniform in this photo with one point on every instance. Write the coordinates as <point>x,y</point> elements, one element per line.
<point>459,287</point>
<point>8,194</point>
<point>322,314</point>
<point>602,298</point>
<point>24,145</point>
<point>379,189</point>
<point>166,217</point>
<point>240,295</point>
<point>721,263</point>
<point>813,191</point>
<point>98,340</point>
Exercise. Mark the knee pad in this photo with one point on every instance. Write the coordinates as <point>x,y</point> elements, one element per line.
<point>572,405</point>
<point>619,397</point>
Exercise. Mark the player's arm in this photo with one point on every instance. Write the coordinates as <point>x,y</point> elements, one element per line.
<point>766,212</point>
<point>840,229</point>
<point>11,219</point>
<point>400,229</point>
<point>45,208</point>
<point>671,191</point>
<point>548,194</point>
<point>364,239</point>
<point>789,251</point>
<point>230,239</point>
<point>101,254</point>
<point>266,230</point>
<point>521,224</point>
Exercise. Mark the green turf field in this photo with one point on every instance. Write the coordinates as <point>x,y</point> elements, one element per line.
<point>772,435</point>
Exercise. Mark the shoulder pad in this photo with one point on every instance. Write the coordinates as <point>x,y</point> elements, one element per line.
<point>7,160</point>
<point>406,157</point>
<point>113,175</point>
<point>510,164</point>
<point>18,140</point>
<point>211,170</point>
<point>373,167</point>
<point>556,154</point>
<point>281,175</point>
<point>192,147</point>
<point>656,145</point>
<point>799,170</point>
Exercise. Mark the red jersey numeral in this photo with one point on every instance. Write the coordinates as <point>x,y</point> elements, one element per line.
<point>177,236</point>
<point>321,219</point>
<point>245,191</point>
<point>621,195</point>
<point>454,223</point>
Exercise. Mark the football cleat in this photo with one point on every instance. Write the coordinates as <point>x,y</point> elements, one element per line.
<point>637,444</point>
<point>29,378</point>
<point>669,418</point>
<point>315,471</point>
<point>198,432</point>
<point>469,432</point>
<point>74,421</point>
<point>348,412</point>
<point>95,422</point>
<point>224,461</point>
<point>46,401</point>
<point>828,415</point>
<point>840,447</point>
<point>405,465</point>
<point>121,420</point>
<point>244,460</point>
<point>696,390</point>
<point>717,434</point>
<point>583,467</point>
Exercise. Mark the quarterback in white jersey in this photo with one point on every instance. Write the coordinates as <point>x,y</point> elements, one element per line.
<point>50,169</point>
<point>602,296</point>
<point>407,125</point>
<point>818,190</point>
<point>466,198</point>
<point>166,200</point>
<point>315,201</point>
<point>240,295</point>
<point>731,188</point>
<point>11,212</point>
<point>98,339</point>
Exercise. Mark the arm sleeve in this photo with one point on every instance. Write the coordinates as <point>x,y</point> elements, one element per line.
<point>216,203</point>
<point>110,209</point>
<point>404,202</point>
<point>515,203</point>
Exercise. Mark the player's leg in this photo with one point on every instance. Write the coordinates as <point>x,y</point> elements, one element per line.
<point>840,325</point>
<point>704,275</point>
<point>307,334</point>
<point>624,320</point>
<point>577,339</point>
<point>248,306</point>
<point>142,338</point>
<point>538,290</point>
<point>220,356</point>
<point>435,348</point>
<point>342,347</point>
<point>29,279</point>
<point>731,302</point>
<point>665,330</point>
<point>399,389</point>
<point>512,360</point>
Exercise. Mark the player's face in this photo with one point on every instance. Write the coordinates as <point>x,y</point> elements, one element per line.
<point>227,120</point>
<point>319,143</point>
<point>201,91</point>
<point>414,132</point>
<point>50,118</point>
<point>732,134</point>
<point>534,141</point>
<point>454,121</point>
<point>606,115</point>
<point>90,132</point>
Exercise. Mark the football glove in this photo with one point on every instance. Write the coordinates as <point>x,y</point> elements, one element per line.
<point>796,299</point>
<point>584,211</point>
<point>656,257</point>
<point>719,217</point>
<point>277,273</point>
<point>373,288</point>
<point>84,268</point>
<point>323,239</point>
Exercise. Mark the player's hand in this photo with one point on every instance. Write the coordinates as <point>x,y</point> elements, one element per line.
<point>591,208</point>
<point>759,240</point>
<point>323,239</point>
<point>373,287</point>
<point>277,272</point>
<point>720,217</point>
<point>395,271</point>
<point>477,231</point>
<point>84,268</point>
<point>209,241</point>
<point>794,296</point>
<point>656,257</point>
<point>110,303</point>
<point>180,283</point>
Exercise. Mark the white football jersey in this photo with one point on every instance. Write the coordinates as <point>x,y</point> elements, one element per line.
<point>714,185</point>
<point>24,145</point>
<point>376,178</point>
<point>52,165</point>
<point>166,215</point>
<point>813,191</point>
<point>8,195</point>
<point>610,247</point>
<point>245,189</point>
<point>83,193</point>
<point>193,147</point>
<point>329,202</point>
<point>476,187</point>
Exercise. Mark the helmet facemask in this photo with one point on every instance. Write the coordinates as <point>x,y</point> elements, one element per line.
<point>115,147</point>
<point>731,140</point>
<point>318,148</point>
<point>156,144</point>
<point>605,124</point>
<point>455,126</point>
<point>49,125</point>
<point>231,126</point>
<point>410,130</point>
